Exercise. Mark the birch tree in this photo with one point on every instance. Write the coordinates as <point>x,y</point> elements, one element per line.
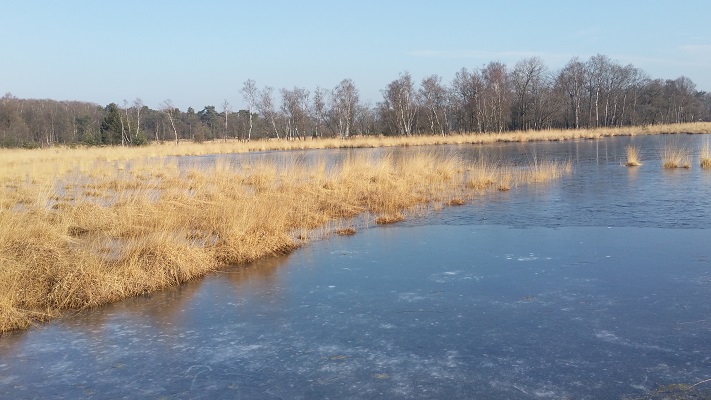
<point>400,99</point>
<point>266,108</point>
<point>528,78</point>
<point>466,91</point>
<point>319,110</point>
<point>572,79</point>
<point>169,110</point>
<point>126,133</point>
<point>345,101</point>
<point>294,106</point>
<point>434,100</point>
<point>137,105</point>
<point>225,113</point>
<point>496,96</point>
<point>598,68</point>
<point>249,93</point>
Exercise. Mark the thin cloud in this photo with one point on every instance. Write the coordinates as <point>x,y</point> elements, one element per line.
<point>488,55</point>
<point>697,50</point>
<point>695,58</point>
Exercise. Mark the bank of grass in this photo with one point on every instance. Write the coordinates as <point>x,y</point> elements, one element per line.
<point>87,238</point>
<point>633,159</point>
<point>675,155</point>
<point>38,164</point>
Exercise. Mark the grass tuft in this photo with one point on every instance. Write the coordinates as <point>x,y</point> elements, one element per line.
<point>705,156</point>
<point>456,202</point>
<point>674,155</point>
<point>348,231</point>
<point>633,159</point>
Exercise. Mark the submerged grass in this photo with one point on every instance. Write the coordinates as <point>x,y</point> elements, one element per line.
<point>87,238</point>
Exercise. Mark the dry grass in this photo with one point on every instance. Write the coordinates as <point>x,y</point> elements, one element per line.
<point>89,237</point>
<point>705,155</point>
<point>633,159</point>
<point>348,231</point>
<point>42,164</point>
<point>674,155</point>
<point>456,202</point>
<point>545,171</point>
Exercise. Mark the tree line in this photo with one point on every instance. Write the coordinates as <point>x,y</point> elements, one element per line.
<point>597,92</point>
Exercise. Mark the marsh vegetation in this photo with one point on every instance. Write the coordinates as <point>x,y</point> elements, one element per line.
<point>38,164</point>
<point>705,156</point>
<point>633,159</point>
<point>82,232</point>
<point>394,307</point>
<point>81,227</point>
<point>675,155</point>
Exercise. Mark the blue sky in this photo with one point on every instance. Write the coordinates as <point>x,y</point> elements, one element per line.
<point>200,53</point>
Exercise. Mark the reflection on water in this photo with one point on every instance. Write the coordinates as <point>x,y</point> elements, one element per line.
<point>595,286</point>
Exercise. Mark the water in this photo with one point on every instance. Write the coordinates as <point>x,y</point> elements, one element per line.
<point>595,286</point>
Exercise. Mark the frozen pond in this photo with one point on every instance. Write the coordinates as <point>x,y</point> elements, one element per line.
<point>595,286</point>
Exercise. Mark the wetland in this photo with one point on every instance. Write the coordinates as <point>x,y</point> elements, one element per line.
<point>594,284</point>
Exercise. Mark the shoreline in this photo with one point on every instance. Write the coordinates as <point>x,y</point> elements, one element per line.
<point>95,239</point>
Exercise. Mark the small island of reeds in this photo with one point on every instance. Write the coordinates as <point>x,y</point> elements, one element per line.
<point>674,155</point>
<point>705,156</point>
<point>633,159</point>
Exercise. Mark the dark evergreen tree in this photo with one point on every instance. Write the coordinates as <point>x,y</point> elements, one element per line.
<point>111,126</point>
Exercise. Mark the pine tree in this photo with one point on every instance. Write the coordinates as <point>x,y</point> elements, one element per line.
<point>111,126</point>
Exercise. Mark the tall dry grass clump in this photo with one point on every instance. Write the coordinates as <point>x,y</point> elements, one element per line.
<point>83,239</point>
<point>483,175</point>
<point>705,155</point>
<point>675,155</point>
<point>633,159</point>
<point>546,170</point>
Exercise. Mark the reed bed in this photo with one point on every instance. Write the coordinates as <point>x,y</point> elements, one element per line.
<point>90,237</point>
<point>633,159</point>
<point>675,155</point>
<point>40,164</point>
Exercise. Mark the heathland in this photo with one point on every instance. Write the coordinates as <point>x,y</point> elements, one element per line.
<point>87,226</point>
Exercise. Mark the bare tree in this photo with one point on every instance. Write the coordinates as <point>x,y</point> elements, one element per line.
<point>572,79</point>
<point>295,105</point>
<point>434,99</point>
<point>364,120</point>
<point>496,96</point>
<point>266,108</point>
<point>169,110</point>
<point>528,78</point>
<point>400,100</point>
<point>249,92</point>
<point>681,93</point>
<point>345,100</point>
<point>138,105</point>
<point>466,93</point>
<point>598,68</point>
<point>226,112</point>
<point>125,126</point>
<point>319,110</point>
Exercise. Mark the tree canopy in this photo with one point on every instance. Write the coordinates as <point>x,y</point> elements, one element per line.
<point>598,92</point>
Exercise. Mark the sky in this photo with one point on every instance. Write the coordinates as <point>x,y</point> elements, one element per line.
<point>200,53</point>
